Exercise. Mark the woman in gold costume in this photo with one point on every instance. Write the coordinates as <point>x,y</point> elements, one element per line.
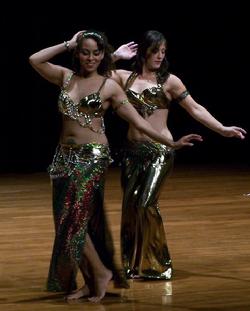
<point>82,239</point>
<point>146,164</point>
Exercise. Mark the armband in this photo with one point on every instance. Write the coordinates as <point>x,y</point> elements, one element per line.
<point>123,102</point>
<point>182,96</point>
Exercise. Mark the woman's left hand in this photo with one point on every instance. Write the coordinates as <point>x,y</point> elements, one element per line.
<point>126,51</point>
<point>233,131</point>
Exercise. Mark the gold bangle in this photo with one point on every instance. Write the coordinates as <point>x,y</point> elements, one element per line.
<point>124,101</point>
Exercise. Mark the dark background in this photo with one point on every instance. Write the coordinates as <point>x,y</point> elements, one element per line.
<point>207,49</point>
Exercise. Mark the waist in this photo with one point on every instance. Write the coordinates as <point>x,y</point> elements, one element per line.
<point>147,151</point>
<point>72,131</point>
<point>83,152</point>
<point>86,147</point>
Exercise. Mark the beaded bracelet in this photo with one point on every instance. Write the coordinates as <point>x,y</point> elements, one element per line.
<point>66,44</point>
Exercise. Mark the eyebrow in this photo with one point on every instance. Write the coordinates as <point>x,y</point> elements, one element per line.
<point>86,49</point>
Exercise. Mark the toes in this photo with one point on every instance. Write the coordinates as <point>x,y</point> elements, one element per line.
<point>95,299</point>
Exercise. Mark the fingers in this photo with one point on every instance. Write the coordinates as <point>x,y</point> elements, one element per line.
<point>78,35</point>
<point>132,45</point>
<point>186,140</point>
<point>240,135</point>
<point>235,131</point>
<point>194,137</point>
<point>240,130</point>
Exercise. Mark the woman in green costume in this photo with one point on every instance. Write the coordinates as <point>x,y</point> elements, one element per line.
<point>82,239</point>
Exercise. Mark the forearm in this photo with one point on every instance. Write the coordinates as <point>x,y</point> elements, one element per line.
<point>46,54</point>
<point>204,117</point>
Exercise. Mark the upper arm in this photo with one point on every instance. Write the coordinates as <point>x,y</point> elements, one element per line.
<point>115,75</point>
<point>185,100</point>
<point>180,93</point>
<point>122,106</point>
<point>176,86</point>
<point>120,76</point>
<point>53,73</point>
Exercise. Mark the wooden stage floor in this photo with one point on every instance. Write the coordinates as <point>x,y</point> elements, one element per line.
<point>207,221</point>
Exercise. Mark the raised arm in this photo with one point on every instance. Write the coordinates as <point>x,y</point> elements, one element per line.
<point>200,113</point>
<point>127,112</point>
<point>125,52</point>
<point>51,72</point>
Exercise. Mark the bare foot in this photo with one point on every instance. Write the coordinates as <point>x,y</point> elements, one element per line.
<point>101,283</point>
<point>79,293</point>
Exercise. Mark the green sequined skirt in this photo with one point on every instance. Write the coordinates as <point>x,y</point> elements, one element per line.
<point>78,175</point>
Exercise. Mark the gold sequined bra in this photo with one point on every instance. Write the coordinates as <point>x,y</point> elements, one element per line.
<point>149,99</point>
<point>92,105</point>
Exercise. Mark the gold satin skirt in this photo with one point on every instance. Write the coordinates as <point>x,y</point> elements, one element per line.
<point>144,250</point>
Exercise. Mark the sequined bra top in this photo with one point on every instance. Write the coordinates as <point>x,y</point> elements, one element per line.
<point>149,99</point>
<point>91,104</point>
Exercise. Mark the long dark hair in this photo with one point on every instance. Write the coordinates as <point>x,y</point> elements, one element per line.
<point>151,40</point>
<point>106,64</point>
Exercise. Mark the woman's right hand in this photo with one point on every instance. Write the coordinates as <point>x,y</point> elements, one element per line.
<point>73,41</point>
<point>187,141</point>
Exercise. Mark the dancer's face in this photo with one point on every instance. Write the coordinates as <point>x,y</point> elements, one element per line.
<point>155,56</point>
<point>90,56</point>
